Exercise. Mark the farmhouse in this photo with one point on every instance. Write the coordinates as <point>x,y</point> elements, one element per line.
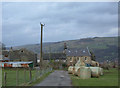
<point>74,55</point>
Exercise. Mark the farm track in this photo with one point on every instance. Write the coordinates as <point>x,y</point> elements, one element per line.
<point>57,78</point>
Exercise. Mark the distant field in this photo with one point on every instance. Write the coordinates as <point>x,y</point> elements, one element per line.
<point>110,78</point>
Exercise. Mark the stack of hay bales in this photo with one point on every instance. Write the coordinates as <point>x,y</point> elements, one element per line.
<point>79,64</point>
<point>82,70</point>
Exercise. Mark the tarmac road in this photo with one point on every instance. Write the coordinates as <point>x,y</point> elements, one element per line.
<point>57,78</point>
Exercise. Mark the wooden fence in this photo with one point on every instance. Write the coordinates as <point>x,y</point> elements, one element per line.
<point>20,77</point>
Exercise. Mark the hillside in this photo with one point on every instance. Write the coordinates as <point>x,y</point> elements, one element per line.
<point>105,48</point>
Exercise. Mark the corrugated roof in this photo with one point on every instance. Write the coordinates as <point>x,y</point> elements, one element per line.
<point>18,62</point>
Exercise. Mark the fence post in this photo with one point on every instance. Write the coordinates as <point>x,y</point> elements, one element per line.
<point>30,74</point>
<point>17,77</point>
<point>24,75</point>
<point>5,77</point>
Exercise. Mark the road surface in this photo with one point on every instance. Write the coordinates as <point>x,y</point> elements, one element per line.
<point>57,78</point>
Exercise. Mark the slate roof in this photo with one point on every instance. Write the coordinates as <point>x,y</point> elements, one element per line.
<point>48,56</point>
<point>78,52</point>
<point>18,54</point>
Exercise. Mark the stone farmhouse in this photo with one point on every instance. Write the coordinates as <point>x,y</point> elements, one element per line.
<point>74,55</point>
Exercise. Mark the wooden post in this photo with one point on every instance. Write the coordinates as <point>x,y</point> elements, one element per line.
<point>24,75</point>
<point>41,58</point>
<point>5,78</point>
<point>17,77</point>
<point>30,74</point>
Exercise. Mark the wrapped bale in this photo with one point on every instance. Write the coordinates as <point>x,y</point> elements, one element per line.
<point>73,71</point>
<point>79,63</point>
<point>97,64</point>
<point>95,71</point>
<point>84,73</point>
<point>93,63</point>
<point>101,71</point>
<point>76,70</point>
<point>70,69</point>
<point>87,60</point>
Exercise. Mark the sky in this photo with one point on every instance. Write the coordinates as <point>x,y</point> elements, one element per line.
<point>63,21</point>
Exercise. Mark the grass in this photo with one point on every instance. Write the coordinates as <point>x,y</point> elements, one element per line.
<point>11,77</point>
<point>39,79</point>
<point>110,78</point>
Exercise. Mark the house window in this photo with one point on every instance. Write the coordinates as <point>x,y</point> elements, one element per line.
<point>85,58</point>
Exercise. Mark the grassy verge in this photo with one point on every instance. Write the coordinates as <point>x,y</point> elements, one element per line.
<point>110,78</point>
<point>39,79</point>
<point>23,80</point>
<point>11,76</point>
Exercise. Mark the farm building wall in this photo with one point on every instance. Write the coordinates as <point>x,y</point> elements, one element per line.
<point>21,55</point>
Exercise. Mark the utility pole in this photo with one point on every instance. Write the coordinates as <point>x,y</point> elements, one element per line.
<point>41,58</point>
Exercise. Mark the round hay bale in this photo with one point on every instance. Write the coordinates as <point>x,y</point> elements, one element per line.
<point>70,69</point>
<point>101,71</point>
<point>97,64</point>
<point>73,71</point>
<point>93,63</point>
<point>85,73</point>
<point>76,70</point>
<point>95,71</point>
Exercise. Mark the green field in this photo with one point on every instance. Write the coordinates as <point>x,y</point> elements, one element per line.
<point>23,80</point>
<point>110,78</point>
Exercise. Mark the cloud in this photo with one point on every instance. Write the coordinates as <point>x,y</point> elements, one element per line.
<point>63,21</point>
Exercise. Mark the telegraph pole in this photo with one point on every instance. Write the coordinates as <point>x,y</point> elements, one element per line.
<point>41,58</point>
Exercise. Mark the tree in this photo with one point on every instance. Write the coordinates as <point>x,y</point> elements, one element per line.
<point>2,46</point>
<point>92,56</point>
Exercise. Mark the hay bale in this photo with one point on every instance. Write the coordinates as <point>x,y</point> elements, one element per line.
<point>95,71</point>
<point>87,60</point>
<point>93,63</point>
<point>79,63</point>
<point>101,71</point>
<point>70,69</point>
<point>85,73</point>
<point>73,71</point>
<point>76,70</point>
<point>97,63</point>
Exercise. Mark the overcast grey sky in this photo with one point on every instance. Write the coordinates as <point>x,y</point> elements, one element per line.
<point>63,21</point>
